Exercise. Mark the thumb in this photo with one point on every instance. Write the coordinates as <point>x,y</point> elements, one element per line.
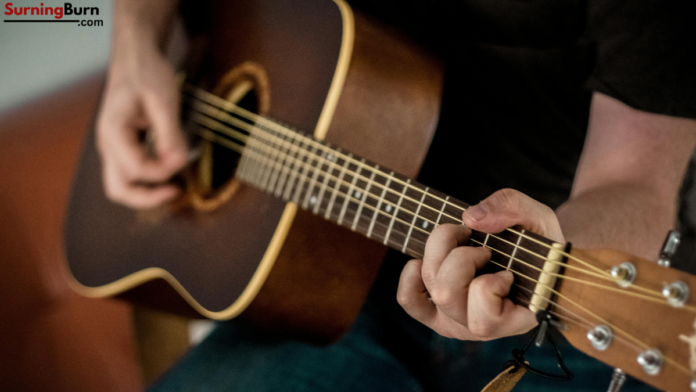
<point>507,208</point>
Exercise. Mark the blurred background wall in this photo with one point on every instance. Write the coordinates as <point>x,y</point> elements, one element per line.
<point>36,58</point>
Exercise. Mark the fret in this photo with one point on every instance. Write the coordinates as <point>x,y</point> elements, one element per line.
<point>514,251</point>
<point>260,166</point>
<point>294,172</point>
<point>272,156</point>
<point>398,205</point>
<point>339,181</point>
<point>486,240</point>
<point>312,183</point>
<point>252,169</point>
<point>281,157</point>
<point>379,204</point>
<point>327,175</point>
<point>442,210</point>
<point>306,161</point>
<point>415,217</point>
<point>349,194</point>
<point>366,194</point>
<point>292,160</point>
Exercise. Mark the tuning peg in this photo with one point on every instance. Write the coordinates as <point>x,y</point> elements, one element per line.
<point>618,378</point>
<point>669,248</point>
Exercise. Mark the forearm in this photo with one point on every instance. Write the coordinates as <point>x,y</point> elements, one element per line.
<point>138,22</point>
<point>622,216</point>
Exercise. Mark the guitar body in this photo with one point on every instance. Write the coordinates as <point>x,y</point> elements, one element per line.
<point>317,66</point>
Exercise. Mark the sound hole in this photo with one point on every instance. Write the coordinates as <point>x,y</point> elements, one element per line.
<point>212,181</point>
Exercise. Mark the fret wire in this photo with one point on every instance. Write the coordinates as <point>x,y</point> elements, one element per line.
<point>379,203</point>
<point>298,191</point>
<point>313,182</point>
<point>273,180</point>
<point>415,217</point>
<point>293,174</point>
<point>350,193</point>
<point>341,175</point>
<point>256,168</point>
<point>439,216</point>
<point>322,189</point>
<point>365,196</point>
<point>396,210</point>
<point>267,177</point>
<point>512,256</point>
<point>485,241</point>
<point>284,177</point>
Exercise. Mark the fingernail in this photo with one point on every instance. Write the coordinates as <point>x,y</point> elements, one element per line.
<point>477,212</point>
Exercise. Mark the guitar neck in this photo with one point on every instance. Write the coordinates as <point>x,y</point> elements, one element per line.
<point>377,202</point>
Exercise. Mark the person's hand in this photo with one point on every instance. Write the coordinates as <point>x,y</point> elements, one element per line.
<point>139,136</point>
<point>441,291</point>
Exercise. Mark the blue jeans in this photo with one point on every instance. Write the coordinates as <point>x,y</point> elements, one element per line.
<point>385,350</point>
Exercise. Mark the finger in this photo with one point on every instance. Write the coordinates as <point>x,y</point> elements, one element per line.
<point>449,291</point>
<point>117,139</point>
<point>442,240</point>
<point>119,190</point>
<point>491,313</point>
<point>161,105</point>
<point>412,295</point>
<point>507,208</point>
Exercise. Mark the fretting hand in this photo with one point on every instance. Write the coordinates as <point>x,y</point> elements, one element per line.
<point>442,292</point>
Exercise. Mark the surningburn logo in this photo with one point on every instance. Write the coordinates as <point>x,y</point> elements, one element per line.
<point>53,14</point>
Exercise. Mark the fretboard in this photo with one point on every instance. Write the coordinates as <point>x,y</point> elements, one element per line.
<point>365,197</point>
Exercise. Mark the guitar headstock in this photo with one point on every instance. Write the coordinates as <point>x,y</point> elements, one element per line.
<point>650,323</point>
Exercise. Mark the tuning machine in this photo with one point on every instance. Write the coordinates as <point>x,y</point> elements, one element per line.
<point>669,248</point>
<point>618,378</point>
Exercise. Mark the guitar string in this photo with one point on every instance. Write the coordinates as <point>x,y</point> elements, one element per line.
<point>616,290</point>
<point>213,138</point>
<point>226,105</point>
<point>308,164</point>
<point>603,321</point>
<point>657,294</point>
<point>637,342</point>
<point>613,289</point>
<point>584,323</point>
<point>222,127</point>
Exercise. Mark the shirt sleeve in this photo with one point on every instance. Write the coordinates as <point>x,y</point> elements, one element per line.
<point>646,53</point>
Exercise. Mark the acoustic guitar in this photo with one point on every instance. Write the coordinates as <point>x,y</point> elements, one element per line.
<point>288,231</point>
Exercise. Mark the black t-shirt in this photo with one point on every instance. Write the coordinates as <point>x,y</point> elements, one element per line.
<point>518,84</point>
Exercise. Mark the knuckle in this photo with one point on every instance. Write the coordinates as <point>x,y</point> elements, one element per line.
<point>482,328</point>
<point>461,253</point>
<point>442,229</point>
<point>404,298</point>
<point>507,198</point>
<point>114,192</point>
<point>443,296</point>
<point>479,287</point>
